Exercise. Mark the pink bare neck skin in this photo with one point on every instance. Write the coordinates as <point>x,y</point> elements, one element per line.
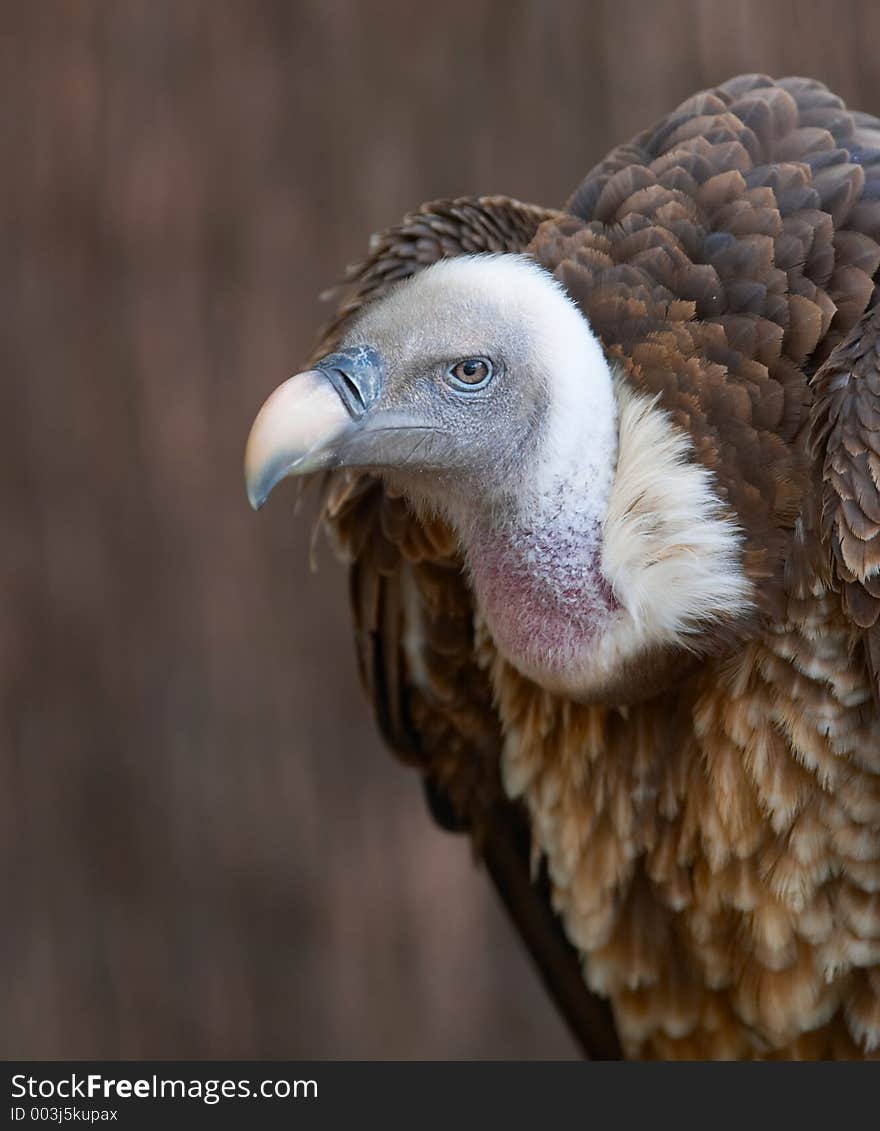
<point>538,580</point>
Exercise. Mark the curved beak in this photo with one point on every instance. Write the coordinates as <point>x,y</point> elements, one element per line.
<point>304,423</point>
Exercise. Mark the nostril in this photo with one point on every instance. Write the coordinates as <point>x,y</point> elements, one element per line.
<point>357,376</point>
<point>354,389</point>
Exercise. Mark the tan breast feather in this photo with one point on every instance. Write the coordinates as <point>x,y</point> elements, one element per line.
<point>712,853</point>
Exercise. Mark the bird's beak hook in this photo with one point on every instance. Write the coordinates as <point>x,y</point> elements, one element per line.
<point>300,427</point>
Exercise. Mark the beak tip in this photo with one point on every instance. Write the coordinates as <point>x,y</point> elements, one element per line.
<point>256,496</point>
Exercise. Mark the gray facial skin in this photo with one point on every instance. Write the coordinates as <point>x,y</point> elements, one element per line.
<point>400,410</point>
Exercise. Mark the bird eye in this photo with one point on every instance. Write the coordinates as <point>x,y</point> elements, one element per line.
<point>471,373</point>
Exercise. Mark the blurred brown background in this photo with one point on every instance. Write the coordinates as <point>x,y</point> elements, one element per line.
<point>205,851</point>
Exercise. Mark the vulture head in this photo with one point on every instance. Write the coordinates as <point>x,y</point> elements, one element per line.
<point>477,389</point>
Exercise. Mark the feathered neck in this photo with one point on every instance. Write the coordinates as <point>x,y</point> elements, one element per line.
<point>534,555</point>
<point>608,557</point>
<point>535,562</point>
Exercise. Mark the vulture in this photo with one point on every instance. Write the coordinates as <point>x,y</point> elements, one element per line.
<point>607,478</point>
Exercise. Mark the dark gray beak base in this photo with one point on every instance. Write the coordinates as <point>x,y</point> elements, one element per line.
<point>357,376</point>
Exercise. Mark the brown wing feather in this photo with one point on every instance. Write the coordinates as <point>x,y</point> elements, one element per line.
<point>728,258</point>
<point>723,255</point>
<point>413,621</point>
<point>846,442</point>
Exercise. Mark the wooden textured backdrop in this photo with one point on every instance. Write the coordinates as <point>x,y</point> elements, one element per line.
<point>204,850</point>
